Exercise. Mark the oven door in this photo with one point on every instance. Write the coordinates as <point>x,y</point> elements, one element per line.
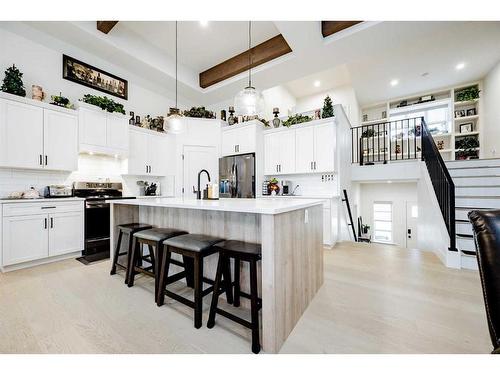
<point>96,220</point>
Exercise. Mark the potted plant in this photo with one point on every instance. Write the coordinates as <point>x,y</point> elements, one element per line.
<point>104,103</point>
<point>469,93</point>
<point>466,147</point>
<point>273,188</point>
<point>327,108</point>
<point>296,119</point>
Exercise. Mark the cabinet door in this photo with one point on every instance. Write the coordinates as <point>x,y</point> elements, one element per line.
<point>271,153</point>
<point>138,153</point>
<point>324,148</point>
<point>229,141</point>
<point>304,150</point>
<point>25,238</point>
<point>92,126</point>
<point>21,129</point>
<point>157,159</point>
<point>60,141</point>
<point>286,154</point>
<point>245,142</point>
<point>65,232</point>
<point>117,133</point>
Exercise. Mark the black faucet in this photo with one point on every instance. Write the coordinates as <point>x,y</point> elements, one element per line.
<point>198,193</point>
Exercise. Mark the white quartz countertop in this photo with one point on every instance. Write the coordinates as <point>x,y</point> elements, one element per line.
<point>266,206</point>
<point>39,200</point>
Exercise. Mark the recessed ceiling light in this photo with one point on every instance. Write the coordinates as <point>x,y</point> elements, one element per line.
<point>204,23</point>
<point>317,83</point>
<point>394,82</point>
<point>460,66</point>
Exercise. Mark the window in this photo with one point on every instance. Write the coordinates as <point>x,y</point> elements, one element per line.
<point>382,221</point>
<point>437,116</point>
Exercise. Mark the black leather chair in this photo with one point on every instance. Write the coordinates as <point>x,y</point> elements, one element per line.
<point>486,226</point>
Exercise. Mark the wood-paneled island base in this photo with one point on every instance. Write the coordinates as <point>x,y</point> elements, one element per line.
<point>290,232</point>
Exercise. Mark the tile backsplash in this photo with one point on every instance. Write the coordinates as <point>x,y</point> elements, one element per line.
<point>95,168</point>
<point>312,184</point>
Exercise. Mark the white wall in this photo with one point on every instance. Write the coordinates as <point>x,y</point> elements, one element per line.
<point>43,66</point>
<point>344,95</point>
<point>398,194</point>
<point>491,114</point>
<point>280,97</point>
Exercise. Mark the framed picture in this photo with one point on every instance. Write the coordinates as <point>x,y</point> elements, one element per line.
<point>460,113</point>
<point>471,112</point>
<point>90,76</point>
<point>466,128</point>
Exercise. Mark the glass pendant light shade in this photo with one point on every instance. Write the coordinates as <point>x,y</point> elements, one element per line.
<point>249,102</point>
<point>175,122</point>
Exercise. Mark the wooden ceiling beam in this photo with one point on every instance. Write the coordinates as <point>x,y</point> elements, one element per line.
<point>331,27</point>
<point>105,26</point>
<point>262,53</point>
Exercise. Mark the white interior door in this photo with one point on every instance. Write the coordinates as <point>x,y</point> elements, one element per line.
<point>197,158</point>
<point>411,224</point>
<point>60,141</point>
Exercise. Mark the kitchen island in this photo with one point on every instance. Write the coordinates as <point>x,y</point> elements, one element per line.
<point>289,230</point>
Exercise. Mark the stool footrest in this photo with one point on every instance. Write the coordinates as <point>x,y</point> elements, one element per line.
<point>234,318</point>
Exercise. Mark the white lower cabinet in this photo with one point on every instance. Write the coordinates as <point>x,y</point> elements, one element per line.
<point>25,238</point>
<point>65,234</point>
<point>38,231</point>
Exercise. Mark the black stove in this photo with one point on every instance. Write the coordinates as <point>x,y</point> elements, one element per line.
<point>97,217</point>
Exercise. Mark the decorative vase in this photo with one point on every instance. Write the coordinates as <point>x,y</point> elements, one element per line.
<point>231,120</point>
<point>276,120</point>
<point>37,93</point>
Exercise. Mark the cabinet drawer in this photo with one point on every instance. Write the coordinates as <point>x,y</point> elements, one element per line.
<point>35,208</point>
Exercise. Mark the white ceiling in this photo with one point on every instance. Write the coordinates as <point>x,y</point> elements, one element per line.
<point>369,57</point>
<point>200,47</point>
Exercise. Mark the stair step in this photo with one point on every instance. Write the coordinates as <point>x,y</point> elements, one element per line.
<point>463,228</point>
<point>466,243</point>
<point>468,262</point>
<point>479,171</point>
<point>474,190</point>
<point>476,181</point>
<point>473,163</point>
<point>477,202</point>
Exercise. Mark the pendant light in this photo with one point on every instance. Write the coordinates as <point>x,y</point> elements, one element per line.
<point>174,119</point>
<point>249,101</point>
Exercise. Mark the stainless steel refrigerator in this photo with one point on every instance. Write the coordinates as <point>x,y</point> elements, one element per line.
<point>237,176</point>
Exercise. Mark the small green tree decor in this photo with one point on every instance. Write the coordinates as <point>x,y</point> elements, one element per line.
<point>327,108</point>
<point>13,82</point>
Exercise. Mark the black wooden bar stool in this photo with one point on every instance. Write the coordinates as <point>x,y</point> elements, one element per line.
<point>153,238</point>
<point>196,247</point>
<point>128,229</point>
<point>246,252</point>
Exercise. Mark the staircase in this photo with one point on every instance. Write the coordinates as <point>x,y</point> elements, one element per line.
<point>477,186</point>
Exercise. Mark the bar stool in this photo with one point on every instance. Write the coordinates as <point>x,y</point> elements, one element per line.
<point>154,238</point>
<point>239,251</point>
<point>128,229</point>
<point>197,247</point>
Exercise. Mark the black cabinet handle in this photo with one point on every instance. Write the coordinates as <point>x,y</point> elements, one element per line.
<point>52,222</point>
<point>314,165</point>
<point>45,223</point>
<point>47,207</point>
<point>41,160</point>
<point>46,159</point>
<point>146,169</point>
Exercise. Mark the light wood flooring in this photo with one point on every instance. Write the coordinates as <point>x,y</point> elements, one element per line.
<point>375,299</point>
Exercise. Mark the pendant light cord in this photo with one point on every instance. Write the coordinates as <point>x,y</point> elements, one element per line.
<point>249,53</point>
<point>176,64</point>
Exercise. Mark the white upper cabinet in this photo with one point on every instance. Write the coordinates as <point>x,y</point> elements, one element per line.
<point>35,137</point>
<point>240,140</point>
<point>306,149</point>
<point>279,151</point>
<point>324,148</point>
<point>150,154</point>
<point>102,132</point>
<point>60,141</point>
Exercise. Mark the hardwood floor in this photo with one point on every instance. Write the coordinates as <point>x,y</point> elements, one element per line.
<point>375,299</point>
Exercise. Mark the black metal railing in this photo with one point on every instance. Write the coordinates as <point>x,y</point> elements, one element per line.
<point>387,141</point>
<point>441,181</point>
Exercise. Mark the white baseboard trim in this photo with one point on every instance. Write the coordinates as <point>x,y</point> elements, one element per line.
<point>38,262</point>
